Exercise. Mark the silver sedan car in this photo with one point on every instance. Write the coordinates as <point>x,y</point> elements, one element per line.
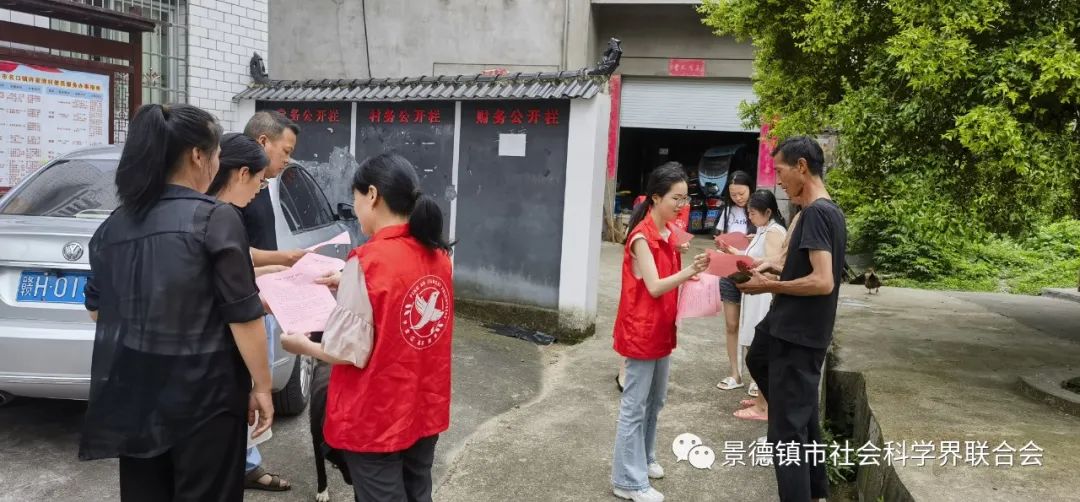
<point>46,336</point>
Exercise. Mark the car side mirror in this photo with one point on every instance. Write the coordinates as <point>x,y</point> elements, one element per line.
<point>345,211</point>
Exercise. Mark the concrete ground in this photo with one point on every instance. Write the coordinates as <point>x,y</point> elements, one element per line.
<point>945,367</point>
<point>538,423</point>
<point>39,438</point>
<point>559,446</point>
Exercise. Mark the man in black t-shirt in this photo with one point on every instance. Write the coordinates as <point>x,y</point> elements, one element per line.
<point>789,346</point>
<point>277,135</point>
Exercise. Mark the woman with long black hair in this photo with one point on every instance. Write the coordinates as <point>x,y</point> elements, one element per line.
<point>645,329</point>
<point>389,338</point>
<point>769,242</point>
<point>179,364</point>
<point>734,218</point>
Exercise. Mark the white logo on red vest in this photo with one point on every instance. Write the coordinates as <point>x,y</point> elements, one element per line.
<point>424,312</point>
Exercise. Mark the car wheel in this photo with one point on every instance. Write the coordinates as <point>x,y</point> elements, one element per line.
<point>291,400</point>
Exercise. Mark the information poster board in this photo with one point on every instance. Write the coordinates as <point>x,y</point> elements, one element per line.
<point>46,112</point>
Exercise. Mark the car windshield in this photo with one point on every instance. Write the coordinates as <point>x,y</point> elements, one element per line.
<point>76,188</point>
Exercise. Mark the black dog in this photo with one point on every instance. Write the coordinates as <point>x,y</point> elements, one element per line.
<point>320,379</point>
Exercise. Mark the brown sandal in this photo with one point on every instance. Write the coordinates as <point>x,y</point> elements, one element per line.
<point>276,484</point>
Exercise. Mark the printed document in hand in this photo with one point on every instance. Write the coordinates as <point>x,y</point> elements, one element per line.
<point>737,240</point>
<point>342,238</point>
<point>316,265</point>
<point>700,298</point>
<point>300,305</point>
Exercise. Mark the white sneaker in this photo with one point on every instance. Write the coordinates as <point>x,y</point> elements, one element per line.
<point>647,495</point>
<point>655,471</point>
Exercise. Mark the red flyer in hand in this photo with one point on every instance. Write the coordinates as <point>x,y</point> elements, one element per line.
<point>679,236</point>
<point>723,264</point>
<point>737,240</point>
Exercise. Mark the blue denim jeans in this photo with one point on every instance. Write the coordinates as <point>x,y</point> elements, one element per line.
<point>254,459</point>
<point>643,397</point>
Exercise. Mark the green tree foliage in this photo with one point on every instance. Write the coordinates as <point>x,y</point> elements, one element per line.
<point>957,120</point>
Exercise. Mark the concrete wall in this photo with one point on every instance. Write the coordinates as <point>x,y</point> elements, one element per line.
<point>326,38</point>
<point>653,34</point>
<point>586,163</point>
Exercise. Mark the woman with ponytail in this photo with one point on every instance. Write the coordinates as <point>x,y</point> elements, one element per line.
<point>179,365</point>
<point>389,338</point>
<point>645,329</point>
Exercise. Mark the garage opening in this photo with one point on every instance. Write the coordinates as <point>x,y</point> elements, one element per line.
<point>692,121</point>
<point>712,153</point>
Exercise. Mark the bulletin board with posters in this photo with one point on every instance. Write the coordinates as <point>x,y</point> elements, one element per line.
<point>46,112</point>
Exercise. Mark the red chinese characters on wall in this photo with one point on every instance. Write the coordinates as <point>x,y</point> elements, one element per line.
<point>516,116</point>
<point>686,67</point>
<point>392,115</point>
<point>312,115</point>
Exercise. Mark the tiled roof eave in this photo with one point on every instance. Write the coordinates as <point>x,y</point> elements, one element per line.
<point>561,85</point>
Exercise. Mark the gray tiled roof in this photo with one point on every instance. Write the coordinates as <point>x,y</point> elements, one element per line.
<point>558,85</point>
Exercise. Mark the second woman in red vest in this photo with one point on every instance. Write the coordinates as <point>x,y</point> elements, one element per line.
<point>389,338</point>
<point>645,329</point>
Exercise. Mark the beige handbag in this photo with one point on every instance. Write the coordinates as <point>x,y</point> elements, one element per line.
<point>350,329</point>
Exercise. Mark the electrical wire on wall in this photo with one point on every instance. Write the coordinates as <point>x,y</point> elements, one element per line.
<point>367,40</point>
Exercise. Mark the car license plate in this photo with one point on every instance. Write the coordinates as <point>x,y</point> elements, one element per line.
<point>52,287</point>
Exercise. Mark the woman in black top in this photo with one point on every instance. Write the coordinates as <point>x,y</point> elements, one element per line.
<point>180,338</point>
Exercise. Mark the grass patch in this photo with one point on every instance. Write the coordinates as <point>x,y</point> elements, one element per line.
<point>839,474</point>
<point>1049,258</point>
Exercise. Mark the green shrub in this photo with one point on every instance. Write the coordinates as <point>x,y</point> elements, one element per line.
<point>958,138</point>
<point>1048,258</point>
<point>838,474</point>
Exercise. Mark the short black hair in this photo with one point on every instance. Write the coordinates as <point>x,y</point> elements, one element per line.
<point>802,147</point>
<point>270,124</point>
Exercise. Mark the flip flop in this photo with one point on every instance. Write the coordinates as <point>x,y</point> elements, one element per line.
<point>753,390</point>
<point>751,414</point>
<point>276,484</point>
<point>729,383</point>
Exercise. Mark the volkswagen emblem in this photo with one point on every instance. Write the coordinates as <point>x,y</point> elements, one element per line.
<point>73,251</point>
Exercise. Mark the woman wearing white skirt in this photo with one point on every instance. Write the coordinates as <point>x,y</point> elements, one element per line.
<point>767,243</point>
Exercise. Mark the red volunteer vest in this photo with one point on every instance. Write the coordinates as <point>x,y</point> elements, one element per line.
<point>403,394</point>
<point>645,326</point>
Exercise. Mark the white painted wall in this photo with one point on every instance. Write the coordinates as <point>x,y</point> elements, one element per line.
<point>222,36</point>
<point>586,161</point>
<point>244,110</point>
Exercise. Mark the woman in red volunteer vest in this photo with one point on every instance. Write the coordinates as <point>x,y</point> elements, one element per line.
<point>389,338</point>
<point>645,329</point>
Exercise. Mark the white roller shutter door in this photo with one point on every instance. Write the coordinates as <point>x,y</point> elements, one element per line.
<point>673,103</point>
